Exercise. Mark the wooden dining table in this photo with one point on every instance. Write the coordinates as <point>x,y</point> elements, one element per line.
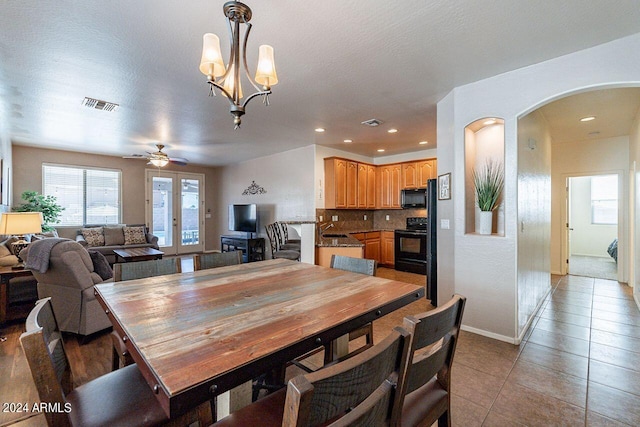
<point>196,335</point>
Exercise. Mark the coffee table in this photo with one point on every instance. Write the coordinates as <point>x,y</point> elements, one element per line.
<point>137,254</point>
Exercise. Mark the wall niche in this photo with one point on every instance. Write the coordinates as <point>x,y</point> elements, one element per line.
<point>483,142</point>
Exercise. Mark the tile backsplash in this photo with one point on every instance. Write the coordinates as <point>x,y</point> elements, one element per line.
<point>349,220</point>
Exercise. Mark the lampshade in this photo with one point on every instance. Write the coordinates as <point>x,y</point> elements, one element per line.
<point>20,223</point>
<point>266,71</point>
<point>159,162</point>
<point>211,63</point>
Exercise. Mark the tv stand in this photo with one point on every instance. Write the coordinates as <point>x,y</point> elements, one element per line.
<point>252,248</point>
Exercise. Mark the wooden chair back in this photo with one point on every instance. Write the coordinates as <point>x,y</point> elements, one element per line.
<point>47,359</point>
<point>434,336</point>
<point>216,259</point>
<point>355,265</point>
<point>364,390</point>
<point>142,269</point>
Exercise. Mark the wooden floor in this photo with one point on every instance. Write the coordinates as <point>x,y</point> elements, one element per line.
<point>92,358</point>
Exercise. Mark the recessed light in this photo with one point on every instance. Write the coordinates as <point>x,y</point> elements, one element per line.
<point>489,122</point>
<point>588,118</point>
<point>319,130</point>
<point>348,140</point>
<point>423,142</point>
<point>381,150</point>
<point>392,130</point>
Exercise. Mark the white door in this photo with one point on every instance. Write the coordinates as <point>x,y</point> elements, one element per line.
<point>174,211</point>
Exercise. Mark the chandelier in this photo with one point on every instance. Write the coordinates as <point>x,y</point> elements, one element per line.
<point>227,79</point>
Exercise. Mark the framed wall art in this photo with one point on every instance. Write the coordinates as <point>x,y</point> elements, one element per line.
<point>444,186</point>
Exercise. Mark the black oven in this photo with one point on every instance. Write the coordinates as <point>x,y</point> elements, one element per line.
<point>411,251</point>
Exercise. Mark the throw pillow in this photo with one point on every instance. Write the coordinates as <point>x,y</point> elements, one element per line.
<point>134,235</point>
<point>94,236</point>
<point>113,236</point>
<point>100,265</point>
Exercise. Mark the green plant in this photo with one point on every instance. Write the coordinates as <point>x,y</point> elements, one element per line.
<point>488,183</point>
<point>48,205</point>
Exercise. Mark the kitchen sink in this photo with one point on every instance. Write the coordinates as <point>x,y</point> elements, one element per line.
<point>334,235</point>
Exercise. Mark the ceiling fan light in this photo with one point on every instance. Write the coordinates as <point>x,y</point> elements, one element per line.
<point>211,63</point>
<point>266,71</point>
<point>158,162</point>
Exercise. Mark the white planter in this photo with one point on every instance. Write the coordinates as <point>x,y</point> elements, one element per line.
<point>486,222</point>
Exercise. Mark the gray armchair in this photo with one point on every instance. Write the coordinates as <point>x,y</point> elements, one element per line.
<point>69,281</point>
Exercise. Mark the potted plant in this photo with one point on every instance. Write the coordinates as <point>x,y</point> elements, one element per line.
<point>48,205</point>
<point>488,182</point>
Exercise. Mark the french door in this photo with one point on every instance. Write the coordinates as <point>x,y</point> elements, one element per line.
<point>174,210</point>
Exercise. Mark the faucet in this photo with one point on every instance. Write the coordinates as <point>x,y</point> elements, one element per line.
<point>324,227</point>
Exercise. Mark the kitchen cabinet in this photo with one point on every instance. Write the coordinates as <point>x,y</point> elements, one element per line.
<point>352,185</point>
<point>346,187</point>
<point>389,182</point>
<point>410,175</point>
<point>355,185</point>
<point>426,170</point>
<point>366,186</point>
<point>416,174</point>
<point>387,248</point>
<point>371,242</point>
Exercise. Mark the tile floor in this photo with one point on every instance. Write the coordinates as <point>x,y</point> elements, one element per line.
<point>579,364</point>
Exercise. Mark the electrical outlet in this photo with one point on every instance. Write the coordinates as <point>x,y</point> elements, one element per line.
<point>444,224</point>
<point>320,218</point>
<point>387,217</point>
<point>334,218</point>
<point>365,217</point>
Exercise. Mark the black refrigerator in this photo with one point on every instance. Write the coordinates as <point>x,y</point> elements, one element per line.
<point>432,247</point>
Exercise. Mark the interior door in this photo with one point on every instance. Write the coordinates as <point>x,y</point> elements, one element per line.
<point>175,210</point>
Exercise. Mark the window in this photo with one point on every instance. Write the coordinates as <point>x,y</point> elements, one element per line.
<point>604,199</point>
<point>88,196</point>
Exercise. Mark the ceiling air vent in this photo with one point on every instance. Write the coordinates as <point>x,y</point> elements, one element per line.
<point>99,105</point>
<point>372,122</point>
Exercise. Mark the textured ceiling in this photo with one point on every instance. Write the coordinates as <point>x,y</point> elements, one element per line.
<point>338,62</point>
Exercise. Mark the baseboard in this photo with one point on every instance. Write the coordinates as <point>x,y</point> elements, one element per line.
<point>557,273</point>
<point>526,328</point>
<point>488,334</point>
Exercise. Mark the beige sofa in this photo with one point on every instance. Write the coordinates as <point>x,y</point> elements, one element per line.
<point>69,281</point>
<point>106,238</point>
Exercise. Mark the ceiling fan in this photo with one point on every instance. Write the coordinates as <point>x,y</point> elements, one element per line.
<point>159,158</point>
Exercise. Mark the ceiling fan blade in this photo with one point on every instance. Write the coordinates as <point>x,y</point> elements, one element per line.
<point>134,156</point>
<point>178,161</point>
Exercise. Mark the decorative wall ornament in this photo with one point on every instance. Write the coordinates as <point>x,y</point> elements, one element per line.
<point>254,189</point>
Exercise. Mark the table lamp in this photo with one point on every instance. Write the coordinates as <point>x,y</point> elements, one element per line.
<point>19,224</point>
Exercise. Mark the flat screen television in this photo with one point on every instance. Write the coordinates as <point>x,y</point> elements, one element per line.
<point>243,218</point>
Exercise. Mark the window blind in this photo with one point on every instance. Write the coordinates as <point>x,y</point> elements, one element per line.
<point>89,196</point>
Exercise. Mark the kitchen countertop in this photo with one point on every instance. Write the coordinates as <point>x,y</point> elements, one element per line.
<point>342,242</point>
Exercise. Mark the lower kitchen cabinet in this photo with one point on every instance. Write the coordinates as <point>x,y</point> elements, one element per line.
<point>387,249</point>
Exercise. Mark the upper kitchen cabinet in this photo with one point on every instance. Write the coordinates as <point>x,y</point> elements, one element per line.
<point>416,174</point>
<point>427,169</point>
<point>366,186</point>
<point>389,184</point>
<point>343,184</point>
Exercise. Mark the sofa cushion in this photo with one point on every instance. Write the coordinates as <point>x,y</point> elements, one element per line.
<point>94,236</point>
<point>134,235</point>
<point>113,236</point>
<point>100,265</point>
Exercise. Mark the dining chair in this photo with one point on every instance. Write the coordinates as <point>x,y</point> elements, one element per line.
<point>283,236</point>
<point>142,269</point>
<point>364,390</point>
<point>355,265</point>
<point>216,259</point>
<point>276,250</point>
<point>434,336</point>
<point>120,398</point>
<point>131,271</point>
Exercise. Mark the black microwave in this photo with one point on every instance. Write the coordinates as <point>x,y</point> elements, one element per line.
<point>414,198</point>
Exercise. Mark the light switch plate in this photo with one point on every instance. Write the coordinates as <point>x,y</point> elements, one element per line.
<point>444,224</point>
